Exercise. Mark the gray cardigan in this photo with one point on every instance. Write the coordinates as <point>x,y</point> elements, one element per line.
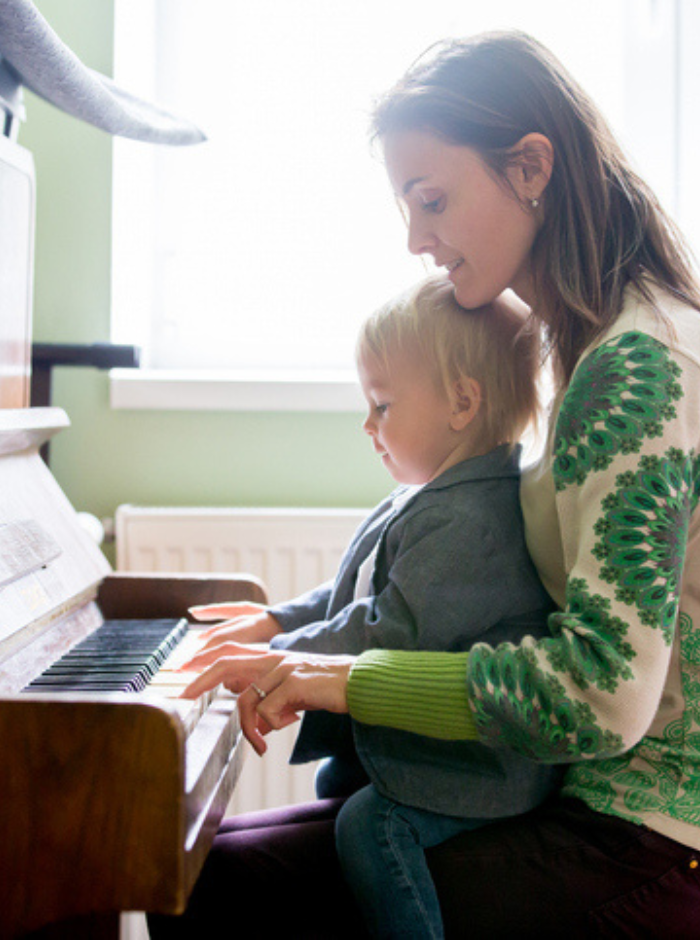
<point>451,569</point>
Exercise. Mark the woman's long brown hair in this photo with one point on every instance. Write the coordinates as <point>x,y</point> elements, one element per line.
<point>603,227</point>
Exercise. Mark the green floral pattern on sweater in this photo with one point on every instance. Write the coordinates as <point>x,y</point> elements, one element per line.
<point>550,699</point>
<point>661,773</point>
<point>520,705</point>
<point>620,394</point>
<point>643,534</point>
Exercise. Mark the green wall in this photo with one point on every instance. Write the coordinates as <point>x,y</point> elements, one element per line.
<point>153,457</point>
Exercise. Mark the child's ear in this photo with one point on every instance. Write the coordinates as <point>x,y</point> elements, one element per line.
<point>466,401</point>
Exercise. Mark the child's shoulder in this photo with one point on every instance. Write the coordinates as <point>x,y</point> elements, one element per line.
<point>470,492</point>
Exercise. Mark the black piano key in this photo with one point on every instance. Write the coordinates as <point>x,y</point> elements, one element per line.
<point>87,684</point>
<point>120,656</point>
<point>106,675</point>
<point>82,663</point>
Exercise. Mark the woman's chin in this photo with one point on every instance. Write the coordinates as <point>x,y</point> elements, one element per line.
<point>469,298</point>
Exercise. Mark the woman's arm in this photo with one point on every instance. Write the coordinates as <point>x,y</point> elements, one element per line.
<point>422,692</point>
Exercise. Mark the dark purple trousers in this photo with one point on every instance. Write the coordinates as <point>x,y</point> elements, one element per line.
<point>562,871</point>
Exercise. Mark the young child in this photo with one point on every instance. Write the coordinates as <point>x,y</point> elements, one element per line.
<point>441,564</point>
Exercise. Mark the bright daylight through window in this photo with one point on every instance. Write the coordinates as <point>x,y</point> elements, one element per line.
<point>263,248</point>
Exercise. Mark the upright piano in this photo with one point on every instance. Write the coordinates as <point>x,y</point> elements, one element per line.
<point>109,800</point>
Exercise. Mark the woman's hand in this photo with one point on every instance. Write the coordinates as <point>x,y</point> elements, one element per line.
<point>275,686</point>
<point>246,623</point>
<point>233,665</point>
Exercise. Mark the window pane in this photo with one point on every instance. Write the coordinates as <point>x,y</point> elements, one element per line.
<point>267,245</point>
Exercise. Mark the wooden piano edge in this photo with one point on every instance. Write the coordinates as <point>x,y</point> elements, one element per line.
<point>156,594</point>
<point>111,817</point>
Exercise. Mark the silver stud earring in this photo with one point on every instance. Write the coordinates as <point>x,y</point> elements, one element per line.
<point>534,203</point>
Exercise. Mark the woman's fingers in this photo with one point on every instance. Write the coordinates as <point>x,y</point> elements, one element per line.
<point>294,685</point>
<point>273,687</point>
<point>209,679</point>
<point>305,684</point>
<point>234,672</point>
<point>253,725</point>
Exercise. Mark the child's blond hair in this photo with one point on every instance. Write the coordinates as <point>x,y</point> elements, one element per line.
<point>494,345</point>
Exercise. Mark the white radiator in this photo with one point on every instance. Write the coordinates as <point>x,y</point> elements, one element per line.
<point>291,550</point>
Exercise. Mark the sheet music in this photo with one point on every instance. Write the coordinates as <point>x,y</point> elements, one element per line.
<point>47,561</point>
<point>25,546</point>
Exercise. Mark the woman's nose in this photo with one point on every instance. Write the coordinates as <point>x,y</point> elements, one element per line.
<point>368,426</point>
<point>421,239</point>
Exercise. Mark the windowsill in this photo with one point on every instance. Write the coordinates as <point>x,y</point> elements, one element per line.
<point>204,390</point>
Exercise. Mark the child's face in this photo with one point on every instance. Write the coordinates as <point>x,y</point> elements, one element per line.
<point>410,420</point>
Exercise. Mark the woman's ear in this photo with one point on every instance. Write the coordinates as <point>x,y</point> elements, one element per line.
<point>531,170</point>
<point>466,402</point>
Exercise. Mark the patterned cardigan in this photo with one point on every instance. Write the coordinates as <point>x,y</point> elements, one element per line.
<point>611,525</point>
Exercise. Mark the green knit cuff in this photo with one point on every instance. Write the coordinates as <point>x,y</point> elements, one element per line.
<point>422,692</point>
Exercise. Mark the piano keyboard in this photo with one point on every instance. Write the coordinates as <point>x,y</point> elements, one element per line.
<point>130,656</point>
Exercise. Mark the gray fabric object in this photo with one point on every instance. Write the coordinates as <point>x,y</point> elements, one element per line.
<point>45,65</point>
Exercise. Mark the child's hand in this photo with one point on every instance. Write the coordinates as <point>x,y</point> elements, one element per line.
<point>226,650</point>
<point>245,623</point>
<point>226,611</point>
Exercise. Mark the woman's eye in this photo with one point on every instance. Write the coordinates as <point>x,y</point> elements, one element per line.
<point>434,205</point>
<point>381,409</point>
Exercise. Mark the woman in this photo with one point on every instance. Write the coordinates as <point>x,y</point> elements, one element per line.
<point>510,179</point>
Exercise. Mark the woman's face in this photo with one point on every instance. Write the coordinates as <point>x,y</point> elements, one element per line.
<point>462,215</point>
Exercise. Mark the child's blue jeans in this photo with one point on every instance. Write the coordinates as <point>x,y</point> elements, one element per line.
<point>381,849</point>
